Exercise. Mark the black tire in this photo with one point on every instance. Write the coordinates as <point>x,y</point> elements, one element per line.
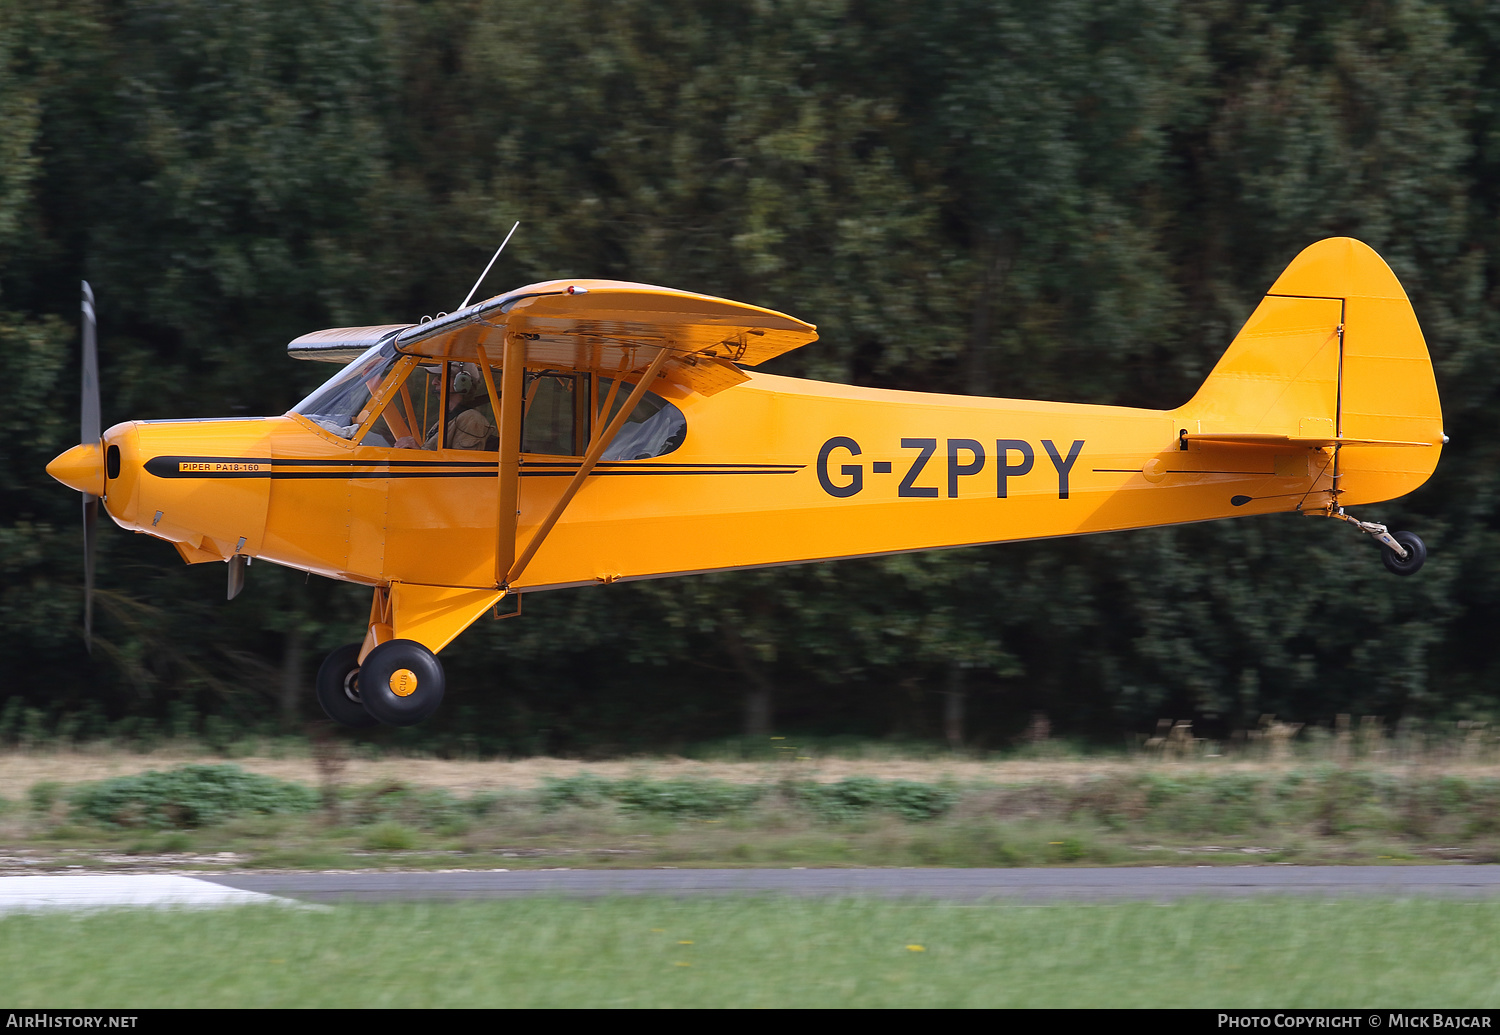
<point>1416,554</point>
<point>401,682</point>
<point>338,689</point>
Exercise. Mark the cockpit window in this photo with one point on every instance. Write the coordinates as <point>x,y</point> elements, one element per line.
<point>447,406</point>
<point>654,428</point>
<point>410,418</point>
<point>471,422</point>
<point>342,404</point>
<point>553,413</point>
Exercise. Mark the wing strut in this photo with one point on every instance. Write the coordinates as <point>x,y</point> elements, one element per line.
<point>509,407</point>
<point>595,451</point>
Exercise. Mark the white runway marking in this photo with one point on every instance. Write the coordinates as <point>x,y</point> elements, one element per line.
<point>107,891</point>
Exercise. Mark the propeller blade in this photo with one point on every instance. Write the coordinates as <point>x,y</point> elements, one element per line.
<point>90,525</point>
<point>89,431</point>
<point>88,425</point>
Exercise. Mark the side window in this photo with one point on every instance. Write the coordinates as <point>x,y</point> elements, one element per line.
<point>470,420</point>
<point>654,428</point>
<point>410,418</point>
<point>552,413</point>
<point>449,403</point>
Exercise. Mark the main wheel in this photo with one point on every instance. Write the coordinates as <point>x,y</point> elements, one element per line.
<point>1416,554</point>
<point>401,682</point>
<point>338,689</point>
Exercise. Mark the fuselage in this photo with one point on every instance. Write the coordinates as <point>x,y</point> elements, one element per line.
<point>774,471</point>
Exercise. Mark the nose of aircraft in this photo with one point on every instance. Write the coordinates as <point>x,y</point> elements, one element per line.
<point>81,468</point>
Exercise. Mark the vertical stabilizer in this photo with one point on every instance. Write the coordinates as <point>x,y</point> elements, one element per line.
<point>1333,351</point>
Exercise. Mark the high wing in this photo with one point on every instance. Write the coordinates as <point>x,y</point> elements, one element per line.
<point>568,322</point>
<point>606,327</point>
<point>616,329</point>
<point>341,344</point>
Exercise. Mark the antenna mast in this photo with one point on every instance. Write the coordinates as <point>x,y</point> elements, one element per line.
<point>486,272</point>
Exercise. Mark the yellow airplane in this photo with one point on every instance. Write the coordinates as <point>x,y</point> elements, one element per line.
<point>584,432</point>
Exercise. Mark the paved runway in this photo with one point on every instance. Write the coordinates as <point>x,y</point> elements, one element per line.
<point>84,891</point>
<point>1099,884</point>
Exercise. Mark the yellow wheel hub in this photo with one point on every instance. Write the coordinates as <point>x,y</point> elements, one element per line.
<point>403,682</point>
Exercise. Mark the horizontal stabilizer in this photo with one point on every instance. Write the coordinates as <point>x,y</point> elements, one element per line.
<point>1251,439</point>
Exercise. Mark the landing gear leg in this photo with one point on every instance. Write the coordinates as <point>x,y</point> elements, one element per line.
<point>338,689</point>
<point>1403,552</point>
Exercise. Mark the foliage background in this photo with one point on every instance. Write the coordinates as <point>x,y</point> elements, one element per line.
<point>1078,200</point>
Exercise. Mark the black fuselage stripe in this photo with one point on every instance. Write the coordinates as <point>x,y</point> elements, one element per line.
<point>476,464</point>
<point>573,464</point>
<point>347,475</point>
<point>1137,470</point>
<point>611,474</point>
<point>170,466</point>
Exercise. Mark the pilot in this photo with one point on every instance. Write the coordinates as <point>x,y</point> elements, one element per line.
<point>468,426</point>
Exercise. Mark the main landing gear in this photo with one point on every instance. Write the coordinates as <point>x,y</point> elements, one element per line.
<point>338,689</point>
<point>400,684</point>
<point>1403,552</point>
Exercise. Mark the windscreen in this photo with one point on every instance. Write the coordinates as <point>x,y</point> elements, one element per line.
<point>340,405</point>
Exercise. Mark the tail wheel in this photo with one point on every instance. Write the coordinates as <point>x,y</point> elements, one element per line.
<point>338,689</point>
<point>1416,554</point>
<point>401,682</point>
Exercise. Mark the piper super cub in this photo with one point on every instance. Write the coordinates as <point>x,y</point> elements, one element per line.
<point>584,432</point>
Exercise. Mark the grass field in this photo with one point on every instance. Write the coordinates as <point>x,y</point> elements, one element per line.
<point>764,952</point>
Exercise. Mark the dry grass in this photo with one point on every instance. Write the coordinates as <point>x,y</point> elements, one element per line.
<point>20,769</point>
<point>1142,809</point>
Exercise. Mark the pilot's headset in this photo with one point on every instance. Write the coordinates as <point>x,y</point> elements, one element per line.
<point>465,379</point>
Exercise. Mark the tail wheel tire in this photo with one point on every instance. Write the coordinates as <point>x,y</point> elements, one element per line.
<point>401,682</point>
<point>1416,554</point>
<point>338,689</point>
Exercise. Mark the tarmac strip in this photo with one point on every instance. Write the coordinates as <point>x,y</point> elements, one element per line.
<point>104,891</point>
<point>107,891</point>
<point>1030,885</point>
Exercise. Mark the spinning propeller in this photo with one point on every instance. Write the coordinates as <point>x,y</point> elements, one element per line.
<point>88,435</point>
<point>82,467</point>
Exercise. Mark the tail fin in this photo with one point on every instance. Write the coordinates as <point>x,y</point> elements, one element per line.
<point>1332,357</point>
